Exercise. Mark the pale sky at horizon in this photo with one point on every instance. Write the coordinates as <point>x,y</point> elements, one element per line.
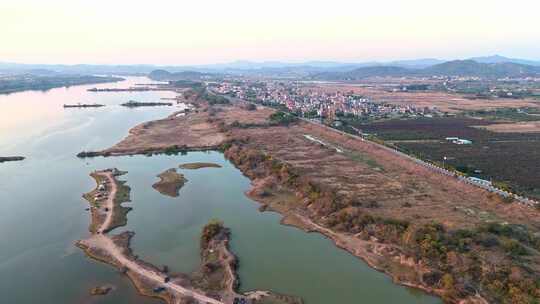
<point>200,32</point>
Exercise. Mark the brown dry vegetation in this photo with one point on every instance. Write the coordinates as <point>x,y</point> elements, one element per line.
<point>193,130</point>
<point>199,130</point>
<point>98,215</point>
<point>518,127</point>
<point>367,173</point>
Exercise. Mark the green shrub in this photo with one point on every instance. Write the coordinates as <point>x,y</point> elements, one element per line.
<point>209,231</point>
<point>282,118</point>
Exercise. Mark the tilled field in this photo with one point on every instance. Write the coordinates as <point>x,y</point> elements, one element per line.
<point>513,158</point>
<point>445,102</point>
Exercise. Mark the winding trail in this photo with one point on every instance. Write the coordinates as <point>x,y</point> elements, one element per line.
<point>103,242</point>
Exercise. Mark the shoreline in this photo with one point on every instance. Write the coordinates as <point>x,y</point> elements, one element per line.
<point>341,241</point>
<point>198,165</point>
<point>369,251</point>
<point>138,104</point>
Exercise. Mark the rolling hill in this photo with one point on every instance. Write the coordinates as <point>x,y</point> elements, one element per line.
<point>366,72</point>
<point>502,59</point>
<point>486,70</point>
<point>469,68</point>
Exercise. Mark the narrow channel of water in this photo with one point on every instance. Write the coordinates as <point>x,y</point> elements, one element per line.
<point>42,212</point>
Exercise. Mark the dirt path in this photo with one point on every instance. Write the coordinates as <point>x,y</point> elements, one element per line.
<point>109,203</point>
<point>103,242</point>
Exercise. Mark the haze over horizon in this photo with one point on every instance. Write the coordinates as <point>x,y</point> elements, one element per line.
<point>166,32</point>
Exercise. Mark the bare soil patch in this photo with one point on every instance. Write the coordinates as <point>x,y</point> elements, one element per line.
<point>195,166</point>
<point>518,127</point>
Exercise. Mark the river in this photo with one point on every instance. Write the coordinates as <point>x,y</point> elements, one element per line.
<point>42,212</point>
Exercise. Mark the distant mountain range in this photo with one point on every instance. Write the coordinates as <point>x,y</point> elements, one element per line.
<point>450,68</point>
<point>483,69</point>
<point>332,69</point>
<point>335,65</point>
<point>501,59</point>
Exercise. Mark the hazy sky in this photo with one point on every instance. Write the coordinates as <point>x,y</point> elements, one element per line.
<point>203,31</point>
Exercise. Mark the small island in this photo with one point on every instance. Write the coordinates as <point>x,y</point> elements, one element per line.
<point>83,105</point>
<point>130,89</point>
<point>194,166</point>
<point>135,104</point>
<point>11,158</point>
<point>100,290</point>
<point>170,182</point>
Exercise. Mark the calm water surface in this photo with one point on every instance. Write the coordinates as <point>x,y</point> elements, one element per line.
<point>42,212</point>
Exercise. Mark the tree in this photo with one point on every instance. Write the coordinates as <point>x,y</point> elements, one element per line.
<point>447,282</point>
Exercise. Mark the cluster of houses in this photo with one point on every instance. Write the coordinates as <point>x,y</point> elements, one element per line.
<point>101,191</point>
<point>313,102</point>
